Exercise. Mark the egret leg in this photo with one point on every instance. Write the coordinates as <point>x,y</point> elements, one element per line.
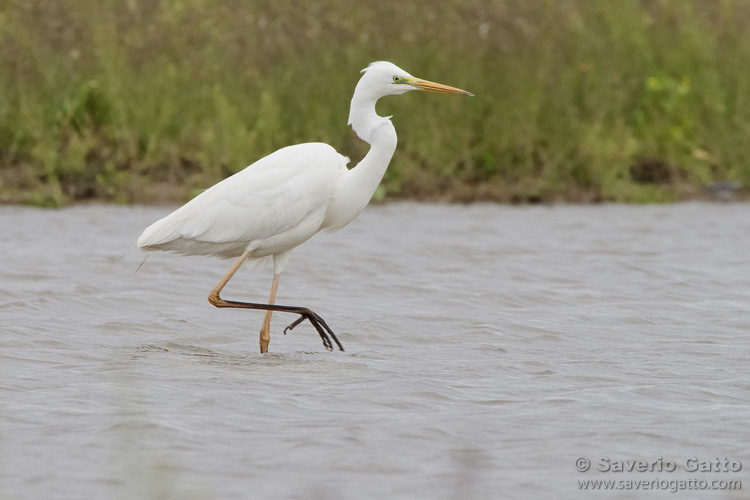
<point>320,325</point>
<point>265,330</point>
<point>295,323</point>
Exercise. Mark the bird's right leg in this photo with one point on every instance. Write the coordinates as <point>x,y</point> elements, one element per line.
<point>213,297</point>
<point>320,325</point>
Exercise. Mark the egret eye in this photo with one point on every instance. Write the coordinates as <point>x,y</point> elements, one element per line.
<point>396,79</point>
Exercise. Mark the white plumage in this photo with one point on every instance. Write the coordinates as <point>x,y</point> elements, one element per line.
<point>270,207</point>
<point>282,200</point>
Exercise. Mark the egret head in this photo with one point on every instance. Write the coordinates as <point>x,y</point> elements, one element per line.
<point>383,78</point>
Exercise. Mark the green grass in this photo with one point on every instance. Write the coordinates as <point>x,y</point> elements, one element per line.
<point>582,100</point>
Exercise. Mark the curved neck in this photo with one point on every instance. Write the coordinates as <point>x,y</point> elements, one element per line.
<point>362,115</point>
<point>377,131</point>
<point>369,172</point>
<point>354,189</point>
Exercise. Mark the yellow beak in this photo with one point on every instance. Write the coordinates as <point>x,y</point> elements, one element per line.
<point>436,87</point>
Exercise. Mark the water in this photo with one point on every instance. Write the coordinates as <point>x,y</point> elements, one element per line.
<point>488,349</point>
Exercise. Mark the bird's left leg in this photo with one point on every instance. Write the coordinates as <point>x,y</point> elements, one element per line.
<point>320,325</point>
<point>265,330</point>
<point>216,300</point>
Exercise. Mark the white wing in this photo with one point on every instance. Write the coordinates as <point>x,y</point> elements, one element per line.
<point>269,207</point>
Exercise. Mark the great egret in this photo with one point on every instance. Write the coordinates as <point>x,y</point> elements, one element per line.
<point>282,200</point>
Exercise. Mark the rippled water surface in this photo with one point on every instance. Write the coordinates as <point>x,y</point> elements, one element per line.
<point>488,348</point>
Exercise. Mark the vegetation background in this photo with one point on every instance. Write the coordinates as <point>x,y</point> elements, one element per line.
<point>149,101</point>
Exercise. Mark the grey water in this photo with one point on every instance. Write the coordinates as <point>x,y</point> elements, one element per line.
<point>489,351</point>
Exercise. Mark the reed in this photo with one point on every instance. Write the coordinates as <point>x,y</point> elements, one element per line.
<point>149,101</point>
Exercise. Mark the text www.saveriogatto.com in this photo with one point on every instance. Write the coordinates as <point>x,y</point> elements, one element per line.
<point>695,474</point>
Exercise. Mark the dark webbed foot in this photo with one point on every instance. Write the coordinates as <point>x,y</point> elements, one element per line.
<point>320,325</point>
<point>296,322</point>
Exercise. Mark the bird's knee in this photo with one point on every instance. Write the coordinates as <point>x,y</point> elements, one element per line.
<point>214,299</point>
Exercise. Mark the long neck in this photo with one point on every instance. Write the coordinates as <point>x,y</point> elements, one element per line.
<point>378,131</point>
<point>355,187</point>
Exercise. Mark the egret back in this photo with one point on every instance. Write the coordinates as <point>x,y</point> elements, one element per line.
<point>269,207</point>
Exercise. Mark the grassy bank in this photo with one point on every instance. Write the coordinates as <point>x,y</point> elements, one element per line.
<point>148,101</point>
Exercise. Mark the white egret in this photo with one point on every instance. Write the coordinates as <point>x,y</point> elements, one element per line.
<point>282,200</point>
